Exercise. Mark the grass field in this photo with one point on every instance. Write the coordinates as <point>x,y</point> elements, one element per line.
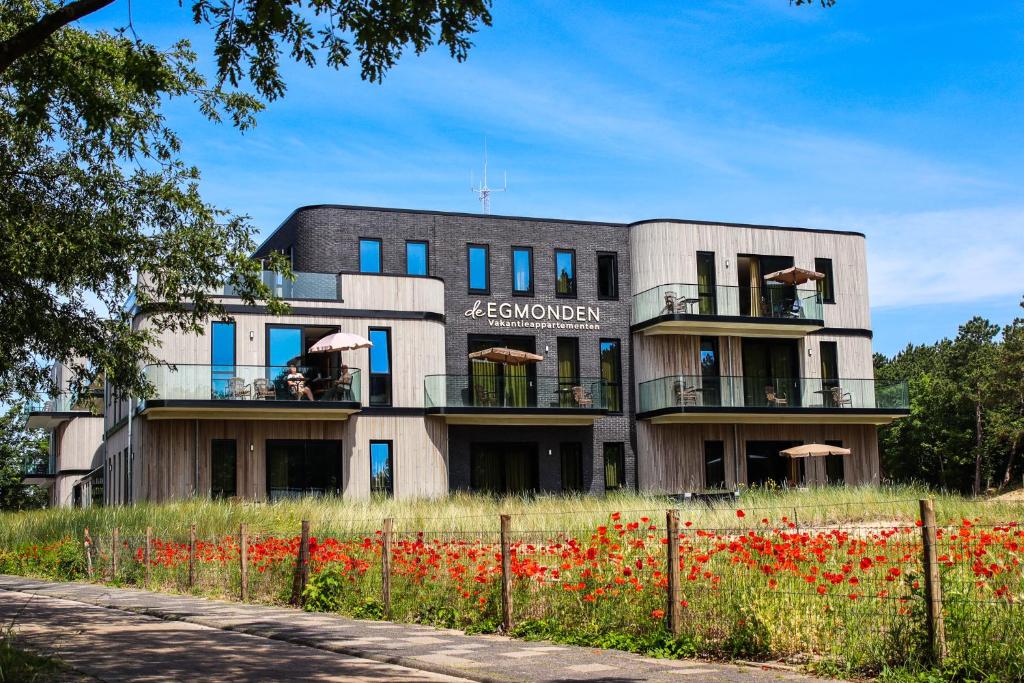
<point>829,578</point>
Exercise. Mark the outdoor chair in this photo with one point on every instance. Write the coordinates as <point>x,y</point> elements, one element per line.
<point>685,395</point>
<point>670,302</point>
<point>237,388</point>
<point>581,397</point>
<point>484,396</point>
<point>841,399</point>
<point>263,388</point>
<point>774,399</point>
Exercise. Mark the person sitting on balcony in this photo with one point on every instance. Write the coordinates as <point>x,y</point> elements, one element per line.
<point>297,384</point>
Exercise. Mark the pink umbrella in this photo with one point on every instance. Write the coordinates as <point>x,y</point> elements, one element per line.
<point>340,341</point>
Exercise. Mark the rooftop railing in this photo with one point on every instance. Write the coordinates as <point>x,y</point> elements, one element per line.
<point>695,391</point>
<point>63,403</point>
<point>250,383</point>
<point>511,391</point>
<point>778,302</point>
<point>305,286</point>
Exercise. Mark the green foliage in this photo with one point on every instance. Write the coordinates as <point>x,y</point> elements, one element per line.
<point>20,451</point>
<point>966,424</point>
<point>97,200</point>
<point>658,643</point>
<point>325,590</point>
<point>22,666</point>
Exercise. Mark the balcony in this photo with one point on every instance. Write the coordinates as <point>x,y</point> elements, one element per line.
<point>768,311</point>
<point>519,400</point>
<point>50,413</point>
<point>753,400</point>
<point>306,286</point>
<point>223,392</point>
<point>38,472</point>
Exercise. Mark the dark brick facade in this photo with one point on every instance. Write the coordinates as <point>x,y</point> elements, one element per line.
<point>325,239</point>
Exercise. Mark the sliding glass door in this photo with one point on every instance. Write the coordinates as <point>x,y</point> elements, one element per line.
<point>303,468</point>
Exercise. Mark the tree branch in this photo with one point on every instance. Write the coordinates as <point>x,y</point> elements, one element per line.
<point>32,36</point>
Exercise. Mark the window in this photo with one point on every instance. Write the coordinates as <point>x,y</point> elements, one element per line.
<point>382,478</point>
<point>568,369</point>
<point>303,468</point>
<point>706,290</point>
<point>369,255</point>
<point>478,256</point>
<point>522,270</point>
<point>835,465</point>
<point>572,466</point>
<point>284,346</point>
<point>222,356</point>
<point>380,366</point>
<point>827,285</point>
<point>504,468</point>
<point>614,466</point>
<point>565,272</point>
<point>607,275</point>
<point>829,364</point>
<point>223,468</point>
<point>714,464</point>
<point>711,383</point>
<point>611,375</point>
<point>417,258</point>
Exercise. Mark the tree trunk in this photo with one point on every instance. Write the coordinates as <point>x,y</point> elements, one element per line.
<point>977,447</point>
<point>1011,462</point>
<point>33,35</point>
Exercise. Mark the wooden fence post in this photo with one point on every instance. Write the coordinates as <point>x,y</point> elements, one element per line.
<point>147,555</point>
<point>115,547</point>
<point>88,552</point>
<point>301,567</point>
<point>385,566</point>
<point>192,555</point>
<point>243,559</point>
<point>506,574</point>
<point>675,589</point>
<point>932,583</point>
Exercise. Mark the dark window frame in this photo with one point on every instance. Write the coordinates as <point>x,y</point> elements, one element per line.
<point>621,464</point>
<point>575,274</point>
<point>615,275</point>
<point>529,251</point>
<point>564,449</point>
<point>830,278</point>
<point>380,251</point>
<point>213,444</point>
<point>391,369</point>
<point>469,268</point>
<point>832,458</point>
<point>234,350</point>
<point>721,446</point>
<point>339,492</point>
<point>714,280</point>
<point>426,257</point>
<point>618,383</point>
<point>390,492</point>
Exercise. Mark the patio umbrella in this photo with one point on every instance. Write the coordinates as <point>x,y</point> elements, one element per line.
<point>340,341</point>
<point>811,450</point>
<point>794,276</point>
<point>499,354</point>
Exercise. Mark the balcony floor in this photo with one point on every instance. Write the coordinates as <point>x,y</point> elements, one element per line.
<point>221,409</point>
<point>726,325</point>
<point>764,415</point>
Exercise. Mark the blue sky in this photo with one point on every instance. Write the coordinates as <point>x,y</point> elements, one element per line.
<point>899,120</point>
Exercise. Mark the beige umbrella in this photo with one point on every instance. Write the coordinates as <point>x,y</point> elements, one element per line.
<point>340,341</point>
<point>811,450</point>
<point>499,354</point>
<point>794,276</point>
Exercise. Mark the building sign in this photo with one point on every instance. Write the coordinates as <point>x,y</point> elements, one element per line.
<point>539,316</point>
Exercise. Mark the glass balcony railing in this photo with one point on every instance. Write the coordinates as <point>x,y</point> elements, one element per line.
<point>497,391</point>
<point>779,302</point>
<point>38,468</point>
<point>305,286</point>
<point>689,391</point>
<point>250,383</point>
<point>64,403</point>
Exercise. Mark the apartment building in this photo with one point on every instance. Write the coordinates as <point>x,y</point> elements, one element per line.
<point>511,355</point>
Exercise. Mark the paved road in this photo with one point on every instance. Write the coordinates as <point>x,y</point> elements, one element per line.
<point>120,634</point>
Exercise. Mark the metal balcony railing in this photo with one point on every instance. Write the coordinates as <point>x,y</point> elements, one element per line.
<point>778,302</point>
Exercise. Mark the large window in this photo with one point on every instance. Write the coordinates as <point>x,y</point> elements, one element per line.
<point>303,468</point>
<point>380,366</point>
<point>711,383</point>
<point>829,365</point>
<point>284,346</point>
<point>478,259</point>
<point>222,357</point>
<point>571,454</point>
<point>522,270</point>
<point>614,466</point>
<point>223,468</point>
<point>607,275</point>
<point>382,470</point>
<point>611,375</point>
<point>565,272</point>
<point>504,468</point>
<point>835,466</point>
<point>417,258</point>
<point>706,291</point>
<point>568,369</point>
<point>369,255</point>
<point>714,465</point>
<point>827,285</point>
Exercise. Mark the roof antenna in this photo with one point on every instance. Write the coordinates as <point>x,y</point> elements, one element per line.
<point>482,191</point>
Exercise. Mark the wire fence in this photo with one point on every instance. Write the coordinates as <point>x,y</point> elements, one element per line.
<point>859,594</point>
